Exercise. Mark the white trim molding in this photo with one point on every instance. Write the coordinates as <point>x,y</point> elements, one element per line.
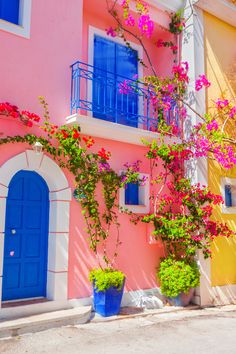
<point>23,29</point>
<point>193,52</point>
<point>170,5</point>
<point>59,215</point>
<point>222,9</point>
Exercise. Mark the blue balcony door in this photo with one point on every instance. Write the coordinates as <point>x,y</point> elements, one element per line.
<point>26,237</point>
<point>113,63</point>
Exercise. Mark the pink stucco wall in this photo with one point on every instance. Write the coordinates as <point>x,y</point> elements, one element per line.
<point>40,66</point>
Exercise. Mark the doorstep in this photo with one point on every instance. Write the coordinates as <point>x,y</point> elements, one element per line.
<point>44,321</point>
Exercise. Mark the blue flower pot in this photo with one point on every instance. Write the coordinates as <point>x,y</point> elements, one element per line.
<point>182,299</point>
<point>107,303</point>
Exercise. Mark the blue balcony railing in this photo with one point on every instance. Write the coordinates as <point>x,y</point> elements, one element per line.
<point>96,93</point>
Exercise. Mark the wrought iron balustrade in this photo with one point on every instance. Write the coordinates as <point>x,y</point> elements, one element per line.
<point>96,93</point>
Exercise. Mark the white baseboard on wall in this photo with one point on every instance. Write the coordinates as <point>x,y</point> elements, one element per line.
<point>130,298</point>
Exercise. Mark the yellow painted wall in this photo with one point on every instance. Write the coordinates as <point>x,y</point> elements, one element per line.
<point>220,48</point>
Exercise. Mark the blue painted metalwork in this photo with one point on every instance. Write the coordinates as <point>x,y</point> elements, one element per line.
<point>228,196</point>
<point>9,10</point>
<point>26,237</point>
<point>132,194</point>
<point>85,78</point>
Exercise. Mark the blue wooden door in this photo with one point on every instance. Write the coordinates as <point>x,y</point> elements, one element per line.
<point>26,237</point>
<point>113,63</point>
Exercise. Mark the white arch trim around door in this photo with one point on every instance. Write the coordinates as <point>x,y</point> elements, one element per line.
<point>59,216</point>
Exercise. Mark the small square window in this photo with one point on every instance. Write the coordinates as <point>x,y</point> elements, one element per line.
<point>15,17</point>
<point>135,197</point>
<point>9,11</point>
<point>228,192</point>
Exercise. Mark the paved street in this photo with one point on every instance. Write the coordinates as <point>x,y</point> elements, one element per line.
<point>193,331</point>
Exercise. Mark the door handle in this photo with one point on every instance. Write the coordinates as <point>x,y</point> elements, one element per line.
<point>13,231</point>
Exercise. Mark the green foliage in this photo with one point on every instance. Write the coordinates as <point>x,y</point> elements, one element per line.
<point>104,279</point>
<point>177,276</point>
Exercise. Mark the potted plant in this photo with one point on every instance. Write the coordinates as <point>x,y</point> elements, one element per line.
<point>178,279</point>
<point>108,288</point>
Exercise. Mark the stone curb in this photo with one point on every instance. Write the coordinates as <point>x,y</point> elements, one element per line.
<point>165,310</point>
<point>41,322</point>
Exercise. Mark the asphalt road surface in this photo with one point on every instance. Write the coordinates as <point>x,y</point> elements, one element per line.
<point>193,331</point>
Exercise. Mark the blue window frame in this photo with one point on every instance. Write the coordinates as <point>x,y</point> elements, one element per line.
<point>9,10</point>
<point>132,194</point>
<point>113,63</point>
<point>228,196</point>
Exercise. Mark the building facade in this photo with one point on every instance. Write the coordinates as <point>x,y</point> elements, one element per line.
<point>62,52</point>
<point>210,49</point>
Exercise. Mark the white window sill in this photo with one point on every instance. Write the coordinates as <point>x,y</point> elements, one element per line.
<point>113,131</point>
<point>228,210</point>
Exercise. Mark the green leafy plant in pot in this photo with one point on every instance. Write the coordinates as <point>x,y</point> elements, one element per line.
<point>108,287</point>
<point>178,278</point>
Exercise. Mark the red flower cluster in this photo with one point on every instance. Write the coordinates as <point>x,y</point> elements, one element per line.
<point>88,141</point>
<point>64,133</point>
<point>28,118</point>
<point>104,154</point>
<point>75,134</point>
<point>9,110</point>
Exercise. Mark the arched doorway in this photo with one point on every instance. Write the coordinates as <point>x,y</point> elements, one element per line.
<point>26,237</point>
<point>59,216</point>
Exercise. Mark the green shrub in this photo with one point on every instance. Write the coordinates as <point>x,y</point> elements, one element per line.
<point>103,279</point>
<point>177,276</point>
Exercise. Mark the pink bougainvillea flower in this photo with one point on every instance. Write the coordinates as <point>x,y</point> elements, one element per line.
<point>232,112</point>
<point>181,72</point>
<point>221,103</point>
<point>202,82</point>
<point>213,125</point>
<point>130,21</point>
<point>146,25</point>
<point>111,32</point>
<point>124,87</point>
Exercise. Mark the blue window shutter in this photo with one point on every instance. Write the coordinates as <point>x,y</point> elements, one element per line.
<point>9,10</point>
<point>228,196</point>
<point>127,67</point>
<point>132,194</point>
<point>104,79</point>
<point>113,63</point>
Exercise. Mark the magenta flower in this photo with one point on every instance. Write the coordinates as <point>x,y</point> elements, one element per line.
<point>220,104</point>
<point>124,87</point>
<point>111,32</point>
<point>232,112</point>
<point>213,125</point>
<point>202,82</point>
<point>130,21</point>
<point>146,25</point>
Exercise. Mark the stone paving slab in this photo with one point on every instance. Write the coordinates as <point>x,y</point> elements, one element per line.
<point>41,322</point>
